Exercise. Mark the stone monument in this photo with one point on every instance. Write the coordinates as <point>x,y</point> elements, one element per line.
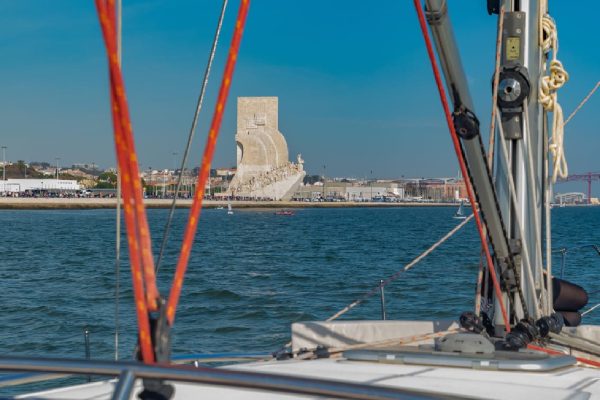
<point>263,168</point>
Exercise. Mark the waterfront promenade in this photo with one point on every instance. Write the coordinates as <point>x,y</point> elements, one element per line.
<point>25,203</point>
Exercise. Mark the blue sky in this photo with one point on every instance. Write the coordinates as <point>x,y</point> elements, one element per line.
<point>355,88</point>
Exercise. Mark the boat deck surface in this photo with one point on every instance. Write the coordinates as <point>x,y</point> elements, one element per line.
<point>572,382</point>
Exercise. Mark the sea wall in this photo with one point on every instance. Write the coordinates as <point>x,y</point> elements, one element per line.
<point>94,203</point>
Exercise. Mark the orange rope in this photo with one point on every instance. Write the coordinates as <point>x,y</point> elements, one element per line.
<point>461,160</point>
<point>556,352</point>
<point>138,235</point>
<point>192,225</point>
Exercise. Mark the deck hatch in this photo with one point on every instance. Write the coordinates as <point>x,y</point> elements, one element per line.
<point>500,361</point>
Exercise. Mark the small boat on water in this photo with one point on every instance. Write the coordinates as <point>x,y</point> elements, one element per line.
<point>284,212</point>
<point>460,214</point>
<point>229,210</point>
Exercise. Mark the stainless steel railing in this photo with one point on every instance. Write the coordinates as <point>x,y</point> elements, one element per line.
<point>129,372</point>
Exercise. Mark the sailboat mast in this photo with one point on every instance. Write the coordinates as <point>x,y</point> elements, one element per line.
<point>466,126</point>
<point>511,204</point>
<point>520,140</point>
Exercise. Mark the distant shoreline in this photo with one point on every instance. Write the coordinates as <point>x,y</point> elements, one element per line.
<point>27,203</point>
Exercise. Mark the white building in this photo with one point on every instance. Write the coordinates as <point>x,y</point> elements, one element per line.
<point>23,185</point>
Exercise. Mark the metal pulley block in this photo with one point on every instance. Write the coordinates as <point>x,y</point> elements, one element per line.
<point>513,89</point>
<point>466,123</point>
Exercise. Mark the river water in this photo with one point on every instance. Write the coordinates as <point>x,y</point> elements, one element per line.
<point>250,275</point>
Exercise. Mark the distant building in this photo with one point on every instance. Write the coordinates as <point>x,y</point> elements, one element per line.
<point>77,172</point>
<point>89,166</point>
<point>432,189</point>
<point>225,171</point>
<point>351,191</point>
<point>47,185</point>
<point>570,198</point>
<point>436,189</point>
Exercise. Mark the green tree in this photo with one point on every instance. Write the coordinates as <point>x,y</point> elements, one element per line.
<point>312,179</point>
<point>107,180</point>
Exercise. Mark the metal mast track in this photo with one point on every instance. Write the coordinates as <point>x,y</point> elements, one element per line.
<point>467,127</point>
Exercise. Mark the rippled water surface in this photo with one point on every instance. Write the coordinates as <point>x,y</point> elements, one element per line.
<point>250,276</point>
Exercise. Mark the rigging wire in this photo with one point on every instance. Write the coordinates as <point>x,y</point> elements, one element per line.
<point>191,136</point>
<point>530,177</point>
<point>495,89</point>
<point>461,160</point>
<point>512,191</point>
<point>585,99</point>
<point>479,286</point>
<point>397,274</point>
<point>547,217</point>
<point>483,267</point>
<point>589,310</point>
<point>192,224</point>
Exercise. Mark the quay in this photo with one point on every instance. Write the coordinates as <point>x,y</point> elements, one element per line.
<point>32,203</point>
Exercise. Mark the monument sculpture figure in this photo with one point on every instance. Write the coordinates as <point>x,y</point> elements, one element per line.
<point>263,166</point>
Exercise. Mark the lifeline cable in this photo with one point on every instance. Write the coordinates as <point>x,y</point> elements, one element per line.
<point>397,274</point>
<point>461,160</point>
<point>192,224</point>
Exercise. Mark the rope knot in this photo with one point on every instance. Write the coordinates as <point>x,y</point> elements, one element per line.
<point>548,97</point>
<point>548,34</point>
<point>558,75</point>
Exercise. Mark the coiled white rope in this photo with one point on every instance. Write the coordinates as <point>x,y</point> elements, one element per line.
<point>548,96</point>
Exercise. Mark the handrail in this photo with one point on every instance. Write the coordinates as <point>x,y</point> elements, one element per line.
<point>21,378</point>
<point>211,376</point>
<point>7,380</point>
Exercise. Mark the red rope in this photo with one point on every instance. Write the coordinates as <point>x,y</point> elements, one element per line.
<point>213,133</point>
<point>138,235</point>
<point>549,351</point>
<point>461,160</point>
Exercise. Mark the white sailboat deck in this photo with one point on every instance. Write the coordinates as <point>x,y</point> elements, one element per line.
<point>567,383</point>
<point>478,380</point>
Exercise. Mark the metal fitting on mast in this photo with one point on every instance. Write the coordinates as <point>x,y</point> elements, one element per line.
<point>467,126</point>
<point>465,123</point>
<point>161,342</point>
<point>513,89</point>
<point>514,85</point>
